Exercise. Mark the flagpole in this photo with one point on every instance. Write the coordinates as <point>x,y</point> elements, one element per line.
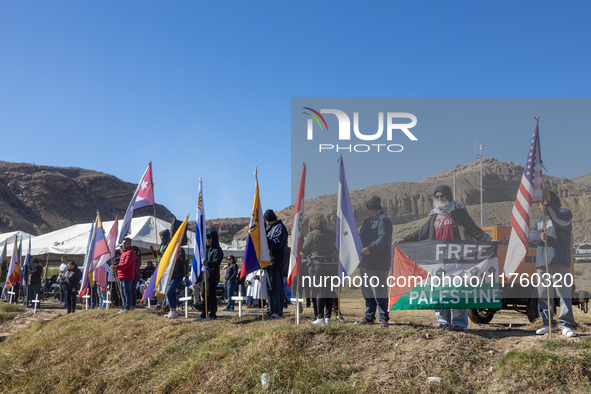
<point>262,308</point>
<point>546,251</point>
<point>46,264</point>
<point>153,195</point>
<point>339,289</point>
<point>205,289</point>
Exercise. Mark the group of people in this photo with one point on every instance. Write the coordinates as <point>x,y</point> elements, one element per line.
<point>448,220</point>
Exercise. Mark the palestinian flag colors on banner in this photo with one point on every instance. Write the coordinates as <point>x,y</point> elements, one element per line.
<point>445,275</point>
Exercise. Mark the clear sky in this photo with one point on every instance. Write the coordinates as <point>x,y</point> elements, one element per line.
<point>203,89</point>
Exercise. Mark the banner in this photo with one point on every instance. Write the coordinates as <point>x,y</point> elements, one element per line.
<point>445,275</point>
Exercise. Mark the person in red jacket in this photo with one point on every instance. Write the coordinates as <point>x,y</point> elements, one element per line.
<point>125,273</point>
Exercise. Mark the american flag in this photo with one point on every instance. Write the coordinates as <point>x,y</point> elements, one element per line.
<point>530,191</point>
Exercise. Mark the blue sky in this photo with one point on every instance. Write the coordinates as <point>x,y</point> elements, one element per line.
<point>203,89</point>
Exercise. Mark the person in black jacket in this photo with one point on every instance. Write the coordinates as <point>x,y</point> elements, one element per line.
<point>72,284</point>
<point>277,241</point>
<point>214,255</point>
<point>376,238</point>
<point>34,282</point>
<point>231,278</point>
<point>449,220</point>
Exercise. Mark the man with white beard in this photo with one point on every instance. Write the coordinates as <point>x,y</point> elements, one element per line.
<point>449,220</point>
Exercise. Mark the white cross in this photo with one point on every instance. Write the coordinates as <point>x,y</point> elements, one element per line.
<point>186,298</point>
<point>107,302</point>
<point>36,301</point>
<point>86,297</point>
<point>240,298</point>
<point>297,301</point>
<point>11,294</point>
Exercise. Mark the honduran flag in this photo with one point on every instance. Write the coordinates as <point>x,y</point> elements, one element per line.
<point>199,244</point>
<point>256,253</point>
<point>143,197</point>
<point>168,260</point>
<point>348,242</point>
<point>295,259</point>
<point>14,270</point>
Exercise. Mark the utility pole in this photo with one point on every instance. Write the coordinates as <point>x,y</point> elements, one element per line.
<point>479,156</point>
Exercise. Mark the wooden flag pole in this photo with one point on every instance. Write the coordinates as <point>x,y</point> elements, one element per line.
<point>154,195</point>
<point>46,265</point>
<point>548,272</point>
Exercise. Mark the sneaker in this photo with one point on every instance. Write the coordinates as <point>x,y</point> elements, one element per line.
<point>226,309</point>
<point>200,319</point>
<point>568,332</point>
<point>275,316</point>
<point>341,319</point>
<point>456,328</point>
<point>327,320</point>
<point>384,323</point>
<point>364,322</point>
<point>121,311</point>
<point>545,330</point>
<point>319,321</point>
<point>173,314</point>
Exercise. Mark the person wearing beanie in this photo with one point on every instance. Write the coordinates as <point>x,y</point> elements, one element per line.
<point>376,238</point>
<point>277,241</point>
<point>449,220</point>
<point>557,237</point>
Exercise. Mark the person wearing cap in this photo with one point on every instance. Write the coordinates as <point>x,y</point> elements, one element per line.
<point>449,220</point>
<point>277,241</point>
<point>376,239</point>
<point>559,226</point>
<point>125,272</point>
<point>34,281</point>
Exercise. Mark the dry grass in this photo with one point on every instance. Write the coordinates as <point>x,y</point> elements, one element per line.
<point>9,312</point>
<point>100,352</point>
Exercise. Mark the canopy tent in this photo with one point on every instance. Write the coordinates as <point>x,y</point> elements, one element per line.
<point>73,240</point>
<point>9,237</point>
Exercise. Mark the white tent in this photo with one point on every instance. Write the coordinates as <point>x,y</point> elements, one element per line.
<point>73,240</point>
<point>9,238</point>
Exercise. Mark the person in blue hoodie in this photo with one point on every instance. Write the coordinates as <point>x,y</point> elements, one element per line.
<point>557,236</point>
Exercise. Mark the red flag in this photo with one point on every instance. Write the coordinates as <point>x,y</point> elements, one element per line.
<point>143,197</point>
<point>295,260</point>
<point>530,191</point>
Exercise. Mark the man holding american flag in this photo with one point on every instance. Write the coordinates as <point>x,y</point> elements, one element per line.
<point>557,236</point>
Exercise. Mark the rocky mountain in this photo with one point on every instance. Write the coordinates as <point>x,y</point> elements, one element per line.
<point>408,204</point>
<point>40,199</point>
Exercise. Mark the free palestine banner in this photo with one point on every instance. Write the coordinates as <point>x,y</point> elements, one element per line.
<point>445,275</point>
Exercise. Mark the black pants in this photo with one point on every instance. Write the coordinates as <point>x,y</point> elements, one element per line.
<point>275,293</point>
<point>213,279</point>
<point>71,296</point>
<point>322,304</point>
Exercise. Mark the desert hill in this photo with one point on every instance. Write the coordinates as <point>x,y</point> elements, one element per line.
<point>40,199</point>
<point>407,204</point>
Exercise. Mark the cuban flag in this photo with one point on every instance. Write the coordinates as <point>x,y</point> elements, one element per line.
<point>256,252</point>
<point>295,259</point>
<point>199,242</point>
<point>143,197</point>
<point>348,242</point>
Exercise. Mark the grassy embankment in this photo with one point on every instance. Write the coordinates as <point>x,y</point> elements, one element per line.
<point>99,351</point>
